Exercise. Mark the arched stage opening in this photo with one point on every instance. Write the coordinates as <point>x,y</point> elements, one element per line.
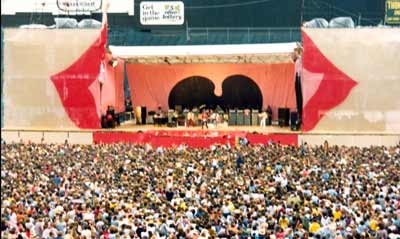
<point>240,91</point>
<point>192,92</point>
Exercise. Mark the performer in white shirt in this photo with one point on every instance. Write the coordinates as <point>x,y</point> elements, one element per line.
<point>263,119</point>
<point>190,119</point>
<point>213,119</point>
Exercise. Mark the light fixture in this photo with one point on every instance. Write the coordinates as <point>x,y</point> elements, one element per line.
<point>113,63</point>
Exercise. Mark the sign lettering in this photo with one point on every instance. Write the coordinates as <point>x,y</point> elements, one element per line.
<point>162,13</point>
<point>392,12</point>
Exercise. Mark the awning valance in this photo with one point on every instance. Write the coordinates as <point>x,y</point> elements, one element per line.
<point>243,53</point>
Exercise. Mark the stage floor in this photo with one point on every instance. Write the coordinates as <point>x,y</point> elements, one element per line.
<point>132,127</point>
<point>129,132</point>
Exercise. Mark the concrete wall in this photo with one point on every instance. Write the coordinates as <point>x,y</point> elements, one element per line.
<point>57,137</point>
<point>365,140</point>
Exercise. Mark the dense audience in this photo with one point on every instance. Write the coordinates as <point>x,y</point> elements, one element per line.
<point>265,191</point>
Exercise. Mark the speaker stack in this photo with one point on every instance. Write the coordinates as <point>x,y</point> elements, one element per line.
<point>294,121</point>
<point>240,117</point>
<point>254,117</point>
<point>232,117</point>
<point>247,117</point>
<point>283,116</point>
<point>144,114</point>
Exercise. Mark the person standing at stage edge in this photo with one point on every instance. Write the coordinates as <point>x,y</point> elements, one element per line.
<point>263,119</point>
<point>204,119</point>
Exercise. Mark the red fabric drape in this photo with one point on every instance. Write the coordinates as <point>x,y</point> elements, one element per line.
<point>151,84</point>
<point>113,86</point>
<point>324,85</point>
<point>119,87</point>
<point>78,85</point>
<point>195,139</point>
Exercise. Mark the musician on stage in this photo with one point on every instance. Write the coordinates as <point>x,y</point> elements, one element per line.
<point>175,117</point>
<point>190,119</point>
<point>263,119</point>
<point>158,117</point>
<point>110,116</point>
<point>204,118</point>
<point>159,113</point>
<point>128,104</point>
<point>214,118</point>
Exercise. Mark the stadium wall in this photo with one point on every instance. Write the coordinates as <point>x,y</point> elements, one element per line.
<point>351,80</point>
<point>2,71</point>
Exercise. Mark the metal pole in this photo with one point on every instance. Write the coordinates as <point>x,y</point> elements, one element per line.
<point>101,103</point>
<point>302,12</point>
<point>187,31</point>
<point>384,17</point>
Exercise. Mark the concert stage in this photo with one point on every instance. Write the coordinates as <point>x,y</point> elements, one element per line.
<point>195,136</point>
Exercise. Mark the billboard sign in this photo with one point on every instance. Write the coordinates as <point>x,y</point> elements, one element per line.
<point>68,7</point>
<point>392,12</point>
<point>81,5</point>
<point>162,13</point>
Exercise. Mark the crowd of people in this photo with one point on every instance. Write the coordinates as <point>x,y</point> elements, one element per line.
<point>245,191</point>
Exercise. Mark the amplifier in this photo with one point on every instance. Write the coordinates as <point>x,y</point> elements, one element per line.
<point>232,117</point>
<point>240,117</point>
<point>283,116</point>
<point>247,117</point>
<point>254,117</point>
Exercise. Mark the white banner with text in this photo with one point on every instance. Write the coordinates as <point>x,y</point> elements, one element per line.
<point>162,13</point>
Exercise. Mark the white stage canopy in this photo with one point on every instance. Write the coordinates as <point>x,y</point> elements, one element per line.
<point>202,50</point>
<point>243,53</point>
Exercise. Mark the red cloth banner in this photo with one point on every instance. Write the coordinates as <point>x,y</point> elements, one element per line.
<point>324,85</point>
<point>113,87</point>
<point>195,139</point>
<point>78,85</point>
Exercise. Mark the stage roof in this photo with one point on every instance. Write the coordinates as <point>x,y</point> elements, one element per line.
<point>243,53</point>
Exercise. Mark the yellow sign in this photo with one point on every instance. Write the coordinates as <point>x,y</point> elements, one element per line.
<point>392,12</point>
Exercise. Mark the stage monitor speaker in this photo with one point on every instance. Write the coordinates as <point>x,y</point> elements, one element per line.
<point>144,114</point>
<point>254,117</point>
<point>294,121</point>
<point>240,117</point>
<point>171,125</point>
<point>283,116</point>
<point>232,117</point>
<point>247,117</point>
